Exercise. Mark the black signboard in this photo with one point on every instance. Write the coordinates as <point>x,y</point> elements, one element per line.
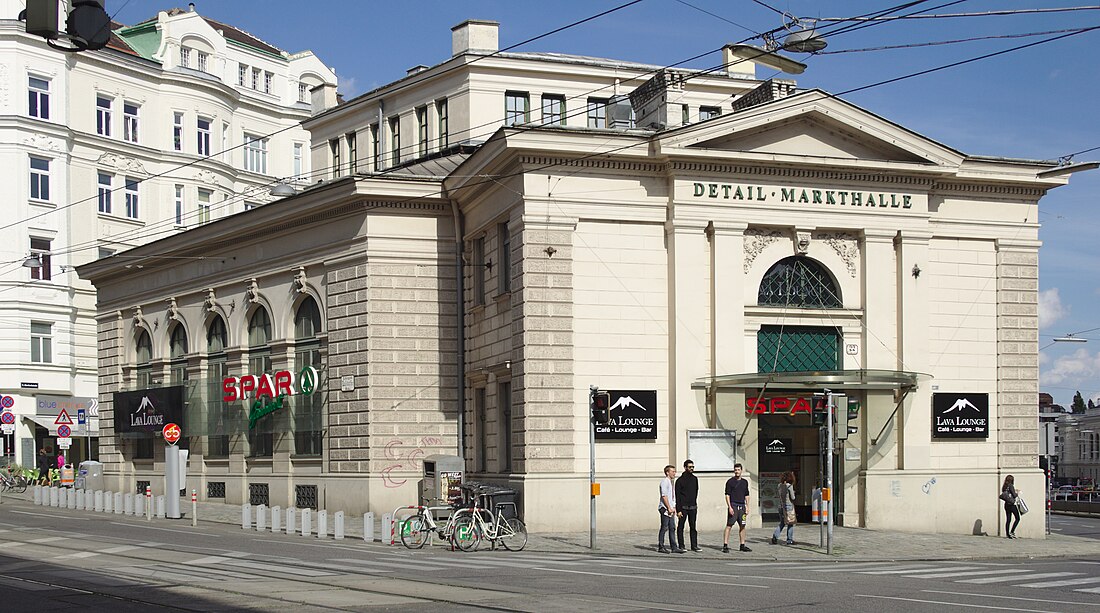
<point>777,446</point>
<point>633,415</point>
<point>148,410</point>
<point>960,415</point>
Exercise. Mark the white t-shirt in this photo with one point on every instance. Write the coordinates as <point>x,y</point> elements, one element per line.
<point>667,490</point>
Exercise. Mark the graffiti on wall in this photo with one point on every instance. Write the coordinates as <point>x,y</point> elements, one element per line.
<point>399,457</point>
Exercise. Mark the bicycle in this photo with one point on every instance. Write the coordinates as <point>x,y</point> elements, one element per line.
<point>417,529</point>
<point>14,482</point>
<point>471,528</point>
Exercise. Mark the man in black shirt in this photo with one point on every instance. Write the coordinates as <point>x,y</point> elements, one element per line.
<point>737,504</point>
<point>687,504</point>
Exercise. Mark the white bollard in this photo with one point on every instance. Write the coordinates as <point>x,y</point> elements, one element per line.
<point>387,528</point>
<point>53,496</point>
<point>160,507</point>
<point>368,527</point>
<point>276,519</point>
<point>307,522</point>
<point>322,524</point>
<point>290,525</point>
<point>38,495</point>
<point>89,500</point>
<point>139,505</point>
<point>76,500</point>
<point>246,516</point>
<point>62,498</point>
<point>118,503</point>
<point>108,502</point>
<point>99,501</point>
<point>128,504</point>
<point>261,518</point>
<point>338,525</point>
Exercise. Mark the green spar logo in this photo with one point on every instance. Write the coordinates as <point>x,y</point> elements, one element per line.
<point>307,383</point>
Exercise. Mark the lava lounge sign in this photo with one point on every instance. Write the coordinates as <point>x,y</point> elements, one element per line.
<point>633,415</point>
<point>960,415</point>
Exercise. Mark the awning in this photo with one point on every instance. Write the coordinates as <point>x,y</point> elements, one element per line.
<point>863,379</point>
<point>46,421</point>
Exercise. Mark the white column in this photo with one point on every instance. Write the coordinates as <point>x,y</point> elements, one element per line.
<point>689,344</point>
<point>914,419</point>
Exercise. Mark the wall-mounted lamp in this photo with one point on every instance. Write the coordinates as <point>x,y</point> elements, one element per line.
<point>32,261</point>
<point>916,271</point>
<point>282,190</point>
<point>550,251</point>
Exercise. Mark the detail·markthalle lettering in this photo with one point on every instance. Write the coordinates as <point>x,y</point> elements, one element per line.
<point>795,195</point>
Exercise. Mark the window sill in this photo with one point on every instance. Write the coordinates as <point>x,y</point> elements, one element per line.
<point>503,297</point>
<point>126,220</point>
<point>42,203</point>
<point>260,460</point>
<point>477,308</point>
<point>306,459</point>
<point>216,461</point>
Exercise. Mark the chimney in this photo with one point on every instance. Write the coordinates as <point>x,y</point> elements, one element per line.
<point>656,102</point>
<point>322,97</point>
<point>736,65</point>
<point>191,7</point>
<point>474,35</point>
<point>419,68</point>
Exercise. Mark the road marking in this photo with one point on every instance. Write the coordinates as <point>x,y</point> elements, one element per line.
<point>187,532</point>
<point>1042,600</point>
<point>1061,583</point>
<point>427,566</point>
<point>986,580</point>
<point>1091,590</point>
<point>236,563</point>
<point>845,570</point>
<point>705,574</point>
<point>48,539</point>
<point>648,578</point>
<point>957,604</point>
<point>50,515</point>
<point>900,571</point>
<point>10,544</point>
<point>835,565</point>
<point>78,555</point>
<point>941,575</point>
<point>120,549</point>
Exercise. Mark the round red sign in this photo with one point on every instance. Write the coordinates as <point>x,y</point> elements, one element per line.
<point>171,433</point>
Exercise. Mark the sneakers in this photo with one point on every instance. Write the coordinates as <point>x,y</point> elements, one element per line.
<point>662,550</point>
<point>725,548</point>
<point>775,541</point>
<point>696,549</point>
<point>745,548</point>
<point>681,550</point>
<point>790,542</point>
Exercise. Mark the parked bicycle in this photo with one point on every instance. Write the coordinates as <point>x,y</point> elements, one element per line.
<point>14,481</point>
<point>480,524</point>
<point>416,530</point>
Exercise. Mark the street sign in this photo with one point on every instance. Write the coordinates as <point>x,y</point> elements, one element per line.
<point>171,433</point>
<point>7,417</point>
<point>7,428</point>
<point>64,431</point>
<point>64,443</point>
<point>7,402</point>
<point>63,418</point>
<point>81,417</point>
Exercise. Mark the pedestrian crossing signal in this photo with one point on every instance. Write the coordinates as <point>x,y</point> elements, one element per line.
<point>601,407</point>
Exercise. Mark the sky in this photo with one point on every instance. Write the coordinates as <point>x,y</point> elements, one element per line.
<point>1035,103</point>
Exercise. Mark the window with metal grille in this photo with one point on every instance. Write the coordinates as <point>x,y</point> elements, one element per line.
<point>215,489</point>
<point>305,496</point>
<point>798,348</point>
<point>141,485</point>
<point>258,494</point>
<point>799,282</point>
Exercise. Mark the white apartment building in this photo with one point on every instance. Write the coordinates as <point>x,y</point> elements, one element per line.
<point>500,231</point>
<point>181,120</point>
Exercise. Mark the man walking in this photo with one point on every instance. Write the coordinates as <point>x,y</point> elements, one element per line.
<point>737,503</point>
<point>667,508</point>
<point>687,504</point>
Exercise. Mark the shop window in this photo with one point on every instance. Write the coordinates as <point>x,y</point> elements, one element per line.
<point>798,348</point>
<point>799,282</point>
<point>261,441</point>
<point>144,359</point>
<point>177,346</point>
<point>308,415</point>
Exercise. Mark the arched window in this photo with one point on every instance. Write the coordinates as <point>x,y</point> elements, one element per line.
<point>217,442</point>
<point>177,349</point>
<point>261,442</point>
<point>307,352</point>
<point>799,282</point>
<point>144,355</point>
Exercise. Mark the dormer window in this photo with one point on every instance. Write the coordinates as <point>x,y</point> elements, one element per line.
<point>185,57</point>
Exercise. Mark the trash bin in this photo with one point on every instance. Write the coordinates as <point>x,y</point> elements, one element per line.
<point>90,476</point>
<point>68,476</point>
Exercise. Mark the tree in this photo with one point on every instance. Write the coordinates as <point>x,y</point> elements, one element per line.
<point>1078,406</point>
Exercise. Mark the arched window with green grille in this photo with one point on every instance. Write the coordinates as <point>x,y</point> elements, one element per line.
<point>799,282</point>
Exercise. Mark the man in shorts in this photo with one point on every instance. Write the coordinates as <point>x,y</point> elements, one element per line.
<point>737,504</point>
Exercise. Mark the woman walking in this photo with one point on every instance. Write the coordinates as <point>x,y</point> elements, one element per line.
<point>785,502</point>
<point>1009,494</point>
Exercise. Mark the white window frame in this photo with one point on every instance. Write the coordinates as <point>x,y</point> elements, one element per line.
<point>40,178</point>
<point>303,92</point>
<point>597,112</point>
<point>131,192</point>
<point>353,152</point>
<point>242,73</point>
<point>553,110</point>
<point>104,191</point>
<point>268,78</point>
<point>103,109</point>
<point>334,150</point>
<point>202,58</point>
<point>41,342</point>
<point>179,204</point>
<point>256,78</point>
<point>42,250</point>
<point>441,123</point>
<point>255,153</point>
<point>298,169</point>
<point>422,130</point>
<point>206,196</point>
<point>38,103</point>
<point>514,112</point>
<point>185,56</point>
<point>177,130</point>
<point>130,123</point>
<point>203,135</point>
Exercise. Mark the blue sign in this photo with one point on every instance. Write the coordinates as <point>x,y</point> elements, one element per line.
<point>81,417</point>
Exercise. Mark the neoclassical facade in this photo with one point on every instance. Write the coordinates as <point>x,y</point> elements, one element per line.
<point>711,275</point>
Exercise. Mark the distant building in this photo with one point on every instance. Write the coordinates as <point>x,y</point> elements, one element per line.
<point>1049,436</point>
<point>503,230</point>
<point>181,120</point>
<point>1079,456</point>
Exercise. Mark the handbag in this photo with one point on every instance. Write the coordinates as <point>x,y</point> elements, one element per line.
<point>1021,505</point>
<point>789,517</point>
<point>1006,496</point>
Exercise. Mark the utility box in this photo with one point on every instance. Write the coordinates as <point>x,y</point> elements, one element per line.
<point>90,476</point>
<point>442,480</point>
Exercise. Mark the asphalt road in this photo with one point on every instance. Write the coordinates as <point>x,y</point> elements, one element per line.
<point>1072,525</point>
<point>52,559</point>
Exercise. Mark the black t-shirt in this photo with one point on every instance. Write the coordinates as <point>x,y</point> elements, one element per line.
<point>737,490</point>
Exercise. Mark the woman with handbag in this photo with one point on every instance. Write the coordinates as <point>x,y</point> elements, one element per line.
<point>785,500</point>
<point>1009,494</point>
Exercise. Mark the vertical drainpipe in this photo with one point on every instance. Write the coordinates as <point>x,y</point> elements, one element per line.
<point>460,314</point>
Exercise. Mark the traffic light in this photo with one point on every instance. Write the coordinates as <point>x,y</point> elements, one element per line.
<point>87,26</point>
<point>820,410</point>
<point>840,404</point>
<point>601,407</point>
<point>853,416</point>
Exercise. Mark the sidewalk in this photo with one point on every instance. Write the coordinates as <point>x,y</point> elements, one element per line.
<point>849,544</point>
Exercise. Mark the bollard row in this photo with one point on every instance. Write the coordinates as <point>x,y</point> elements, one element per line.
<point>305,522</point>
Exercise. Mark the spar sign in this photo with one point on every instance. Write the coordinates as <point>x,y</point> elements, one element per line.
<point>268,390</point>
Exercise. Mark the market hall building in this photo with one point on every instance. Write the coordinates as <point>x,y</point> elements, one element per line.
<point>712,274</point>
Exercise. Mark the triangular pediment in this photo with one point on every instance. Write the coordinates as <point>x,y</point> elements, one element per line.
<point>812,125</point>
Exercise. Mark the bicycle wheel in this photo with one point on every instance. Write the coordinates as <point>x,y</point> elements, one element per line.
<point>20,485</point>
<point>414,532</point>
<point>513,534</point>
<point>467,534</point>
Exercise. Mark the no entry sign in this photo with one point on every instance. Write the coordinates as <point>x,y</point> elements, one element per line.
<point>171,433</point>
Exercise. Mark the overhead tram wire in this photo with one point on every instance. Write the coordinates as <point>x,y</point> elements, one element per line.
<point>956,15</point>
<point>295,125</point>
<point>949,42</point>
<point>717,16</point>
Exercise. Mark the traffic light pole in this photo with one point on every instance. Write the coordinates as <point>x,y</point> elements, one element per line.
<point>591,468</point>
<point>829,470</point>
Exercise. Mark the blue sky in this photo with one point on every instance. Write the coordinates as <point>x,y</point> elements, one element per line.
<point>1037,103</point>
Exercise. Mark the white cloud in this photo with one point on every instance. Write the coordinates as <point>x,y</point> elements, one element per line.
<point>347,88</point>
<point>1050,307</point>
<point>1075,369</point>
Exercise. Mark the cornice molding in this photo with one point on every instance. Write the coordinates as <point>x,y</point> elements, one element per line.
<point>598,163</point>
<point>799,173</point>
<point>946,187</point>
